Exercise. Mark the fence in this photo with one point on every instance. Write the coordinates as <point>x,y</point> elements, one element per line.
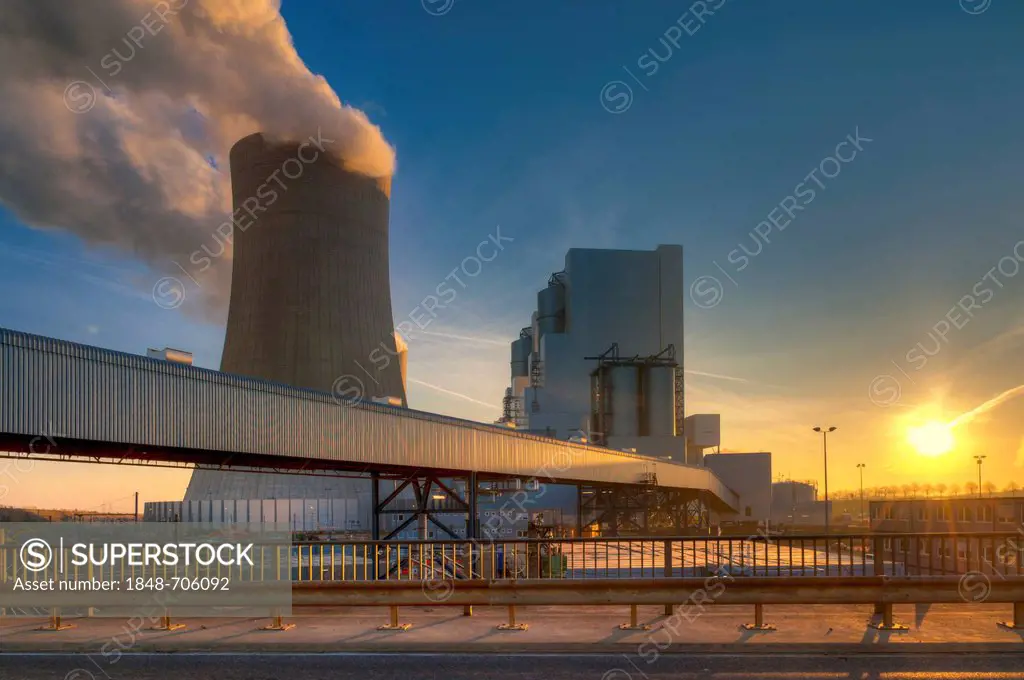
<point>883,569</point>
<point>640,557</point>
<point>646,557</point>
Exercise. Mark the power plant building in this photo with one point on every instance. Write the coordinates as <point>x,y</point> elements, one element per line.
<point>310,307</point>
<point>602,357</point>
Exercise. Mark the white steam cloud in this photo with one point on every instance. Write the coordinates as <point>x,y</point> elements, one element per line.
<point>118,116</point>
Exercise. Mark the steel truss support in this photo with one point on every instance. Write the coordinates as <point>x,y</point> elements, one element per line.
<point>424,506</point>
<point>643,510</point>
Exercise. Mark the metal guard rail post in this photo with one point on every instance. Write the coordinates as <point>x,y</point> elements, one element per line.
<point>757,591</point>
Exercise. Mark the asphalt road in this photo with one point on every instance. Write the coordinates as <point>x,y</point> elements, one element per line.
<point>520,667</point>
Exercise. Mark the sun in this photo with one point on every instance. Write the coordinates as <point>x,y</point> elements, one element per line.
<point>931,439</point>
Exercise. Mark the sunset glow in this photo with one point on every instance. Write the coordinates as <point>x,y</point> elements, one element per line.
<point>934,438</point>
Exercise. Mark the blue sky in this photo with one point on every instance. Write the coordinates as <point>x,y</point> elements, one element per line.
<point>495,110</point>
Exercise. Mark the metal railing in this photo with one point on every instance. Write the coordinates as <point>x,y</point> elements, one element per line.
<point>647,557</point>
<point>997,554</point>
<point>272,560</point>
<point>883,569</point>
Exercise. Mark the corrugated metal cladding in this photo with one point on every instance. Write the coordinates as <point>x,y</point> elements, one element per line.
<point>299,514</point>
<point>82,392</point>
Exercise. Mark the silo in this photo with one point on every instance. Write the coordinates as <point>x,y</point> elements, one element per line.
<point>551,309</point>
<point>310,290</point>
<point>659,400</point>
<point>624,402</point>
<point>520,350</point>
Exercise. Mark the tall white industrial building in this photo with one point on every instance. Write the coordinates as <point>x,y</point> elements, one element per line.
<point>603,353</point>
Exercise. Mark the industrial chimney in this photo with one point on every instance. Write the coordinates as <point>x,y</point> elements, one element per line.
<point>310,292</point>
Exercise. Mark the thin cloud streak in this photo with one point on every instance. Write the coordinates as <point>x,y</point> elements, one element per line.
<point>717,376</point>
<point>67,266</point>
<point>453,393</point>
<point>987,406</point>
<point>730,378</point>
<point>467,338</point>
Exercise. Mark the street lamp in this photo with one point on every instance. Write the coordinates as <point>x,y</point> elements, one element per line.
<point>979,459</point>
<point>861,467</point>
<point>824,444</point>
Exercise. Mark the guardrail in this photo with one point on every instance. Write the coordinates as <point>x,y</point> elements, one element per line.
<point>879,569</point>
<point>881,591</point>
<point>995,553</point>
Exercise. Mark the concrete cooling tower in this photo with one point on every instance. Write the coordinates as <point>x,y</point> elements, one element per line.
<point>310,292</point>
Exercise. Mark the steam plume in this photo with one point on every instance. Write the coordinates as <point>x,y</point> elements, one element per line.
<point>118,116</point>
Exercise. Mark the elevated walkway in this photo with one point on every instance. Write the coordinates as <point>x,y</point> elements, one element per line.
<point>66,399</point>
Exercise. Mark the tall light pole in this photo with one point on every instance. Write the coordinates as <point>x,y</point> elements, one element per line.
<point>861,467</point>
<point>979,459</point>
<point>824,445</point>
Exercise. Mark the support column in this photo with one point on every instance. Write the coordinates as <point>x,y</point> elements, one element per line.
<point>878,569</point>
<point>471,497</point>
<point>393,623</point>
<point>512,625</point>
<point>167,624</point>
<point>1018,618</point>
<point>579,511</point>
<point>668,569</point>
<point>277,623</point>
<point>55,622</point>
<point>375,502</point>
<point>759,623</point>
<point>634,621</point>
<point>887,622</point>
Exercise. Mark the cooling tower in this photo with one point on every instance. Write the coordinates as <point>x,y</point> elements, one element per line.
<point>310,292</point>
<point>310,295</point>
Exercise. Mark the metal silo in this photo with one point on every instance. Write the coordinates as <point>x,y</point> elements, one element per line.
<point>626,404</point>
<point>521,350</point>
<point>310,290</point>
<point>551,309</point>
<point>659,401</point>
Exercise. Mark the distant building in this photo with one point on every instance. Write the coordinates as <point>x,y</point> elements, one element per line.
<point>947,515</point>
<point>997,549</point>
<point>790,492</point>
<point>749,475</point>
<point>810,514</point>
<point>795,503</point>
